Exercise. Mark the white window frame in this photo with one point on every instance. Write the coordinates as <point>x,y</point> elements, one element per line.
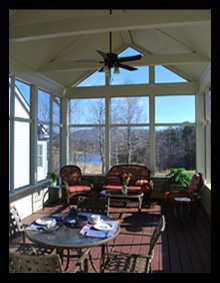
<point>40,155</point>
<point>151,90</point>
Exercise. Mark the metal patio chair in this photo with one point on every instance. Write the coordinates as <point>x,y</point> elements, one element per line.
<point>92,205</point>
<point>174,193</point>
<point>17,236</point>
<point>116,261</point>
<point>19,263</point>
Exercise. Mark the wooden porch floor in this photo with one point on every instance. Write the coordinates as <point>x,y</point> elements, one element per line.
<point>184,247</point>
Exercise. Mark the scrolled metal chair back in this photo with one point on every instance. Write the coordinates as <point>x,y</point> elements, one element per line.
<point>92,205</point>
<point>19,263</point>
<point>156,234</point>
<point>16,227</point>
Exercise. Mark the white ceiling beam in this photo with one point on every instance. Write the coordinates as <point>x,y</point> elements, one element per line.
<point>147,60</point>
<point>205,80</point>
<point>129,90</point>
<point>126,37</point>
<point>172,68</point>
<point>118,22</point>
<point>26,73</point>
<point>176,41</point>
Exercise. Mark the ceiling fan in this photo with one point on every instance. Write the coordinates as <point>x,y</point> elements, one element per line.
<point>112,60</point>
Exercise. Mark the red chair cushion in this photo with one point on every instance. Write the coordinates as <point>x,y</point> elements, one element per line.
<point>130,188</point>
<point>76,189</point>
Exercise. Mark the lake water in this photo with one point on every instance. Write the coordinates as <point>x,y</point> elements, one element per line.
<point>88,158</point>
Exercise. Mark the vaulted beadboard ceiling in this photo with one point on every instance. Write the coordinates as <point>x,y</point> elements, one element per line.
<point>50,41</point>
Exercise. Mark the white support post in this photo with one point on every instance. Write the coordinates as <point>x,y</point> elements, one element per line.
<point>208,136</point>
<point>64,141</point>
<point>151,75</point>
<point>107,135</point>
<point>33,135</point>
<point>152,136</point>
<point>50,169</point>
<point>11,144</point>
<point>200,133</point>
<point>107,127</point>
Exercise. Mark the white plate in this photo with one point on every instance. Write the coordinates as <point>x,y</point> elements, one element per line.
<point>103,226</point>
<point>44,221</point>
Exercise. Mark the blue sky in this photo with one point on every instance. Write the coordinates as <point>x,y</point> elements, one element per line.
<point>168,109</point>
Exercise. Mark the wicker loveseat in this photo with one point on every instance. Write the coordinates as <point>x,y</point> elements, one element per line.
<point>140,179</point>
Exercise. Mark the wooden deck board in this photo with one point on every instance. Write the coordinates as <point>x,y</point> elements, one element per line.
<point>184,247</point>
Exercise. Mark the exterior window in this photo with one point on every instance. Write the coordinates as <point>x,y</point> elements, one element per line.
<point>87,149</point>
<point>43,151</point>
<point>175,143</point>
<point>44,132</point>
<point>163,75</point>
<point>87,143</point>
<point>56,149</point>
<point>43,106</point>
<point>175,109</point>
<point>22,135</point>
<point>40,155</point>
<point>22,100</point>
<point>140,76</point>
<point>130,110</point>
<point>96,79</point>
<point>56,110</point>
<point>130,145</point>
<point>175,148</point>
<point>87,111</point>
<point>129,140</point>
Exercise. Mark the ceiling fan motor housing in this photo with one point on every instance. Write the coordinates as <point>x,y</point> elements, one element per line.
<point>112,59</point>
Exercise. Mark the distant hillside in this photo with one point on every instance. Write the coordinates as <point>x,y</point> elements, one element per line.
<point>92,134</point>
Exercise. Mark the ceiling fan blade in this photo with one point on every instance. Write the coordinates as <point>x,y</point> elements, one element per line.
<point>129,68</point>
<point>130,58</point>
<point>104,55</point>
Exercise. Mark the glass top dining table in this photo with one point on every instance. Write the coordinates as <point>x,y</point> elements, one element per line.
<point>70,238</point>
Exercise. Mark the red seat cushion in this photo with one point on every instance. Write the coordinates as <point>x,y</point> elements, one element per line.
<point>169,197</point>
<point>78,188</point>
<point>130,188</point>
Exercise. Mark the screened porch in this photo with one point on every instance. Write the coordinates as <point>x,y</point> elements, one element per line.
<point>63,111</point>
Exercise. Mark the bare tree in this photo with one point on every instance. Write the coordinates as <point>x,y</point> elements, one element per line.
<point>97,117</point>
<point>128,111</point>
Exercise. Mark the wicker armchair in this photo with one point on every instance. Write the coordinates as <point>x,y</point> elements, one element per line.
<point>17,236</point>
<point>92,205</point>
<point>19,263</point>
<point>119,262</point>
<point>71,180</point>
<point>193,192</point>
